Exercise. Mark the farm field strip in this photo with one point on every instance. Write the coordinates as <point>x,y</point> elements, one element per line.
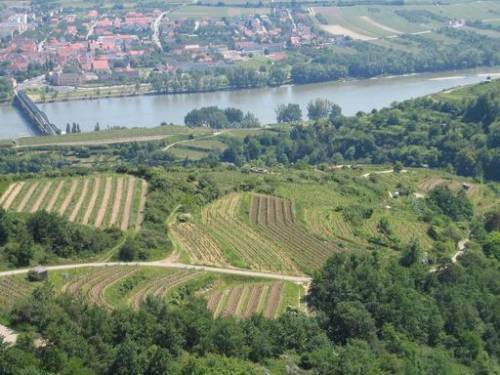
<point>128,203</point>
<point>52,200</point>
<point>67,199</point>
<point>159,286</point>
<point>6,193</point>
<point>97,292</point>
<point>93,200</point>
<point>41,197</point>
<point>104,203</point>
<point>200,246</point>
<point>13,194</point>
<point>245,300</point>
<point>109,207</point>
<point>222,222</point>
<point>142,205</point>
<point>273,300</point>
<point>79,203</point>
<point>99,200</point>
<point>27,197</point>
<point>274,220</point>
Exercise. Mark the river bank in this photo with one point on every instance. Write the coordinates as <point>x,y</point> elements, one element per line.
<point>66,93</point>
<point>151,110</point>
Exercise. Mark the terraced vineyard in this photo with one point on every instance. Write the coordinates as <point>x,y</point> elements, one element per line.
<point>245,300</point>
<point>121,286</point>
<point>98,200</point>
<point>268,238</point>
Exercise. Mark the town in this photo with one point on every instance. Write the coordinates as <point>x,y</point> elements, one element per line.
<point>75,47</point>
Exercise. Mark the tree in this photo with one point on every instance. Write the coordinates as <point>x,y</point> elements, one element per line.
<point>250,121</point>
<point>97,127</point>
<point>412,254</point>
<point>319,108</point>
<point>128,251</point>
<point>68,128</point>
<point>288,113</point>
<point>233,115</point>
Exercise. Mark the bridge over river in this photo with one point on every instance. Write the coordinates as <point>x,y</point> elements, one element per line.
<point>36,117</point>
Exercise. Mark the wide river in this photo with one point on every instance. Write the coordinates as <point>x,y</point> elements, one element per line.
<point>149,111</point>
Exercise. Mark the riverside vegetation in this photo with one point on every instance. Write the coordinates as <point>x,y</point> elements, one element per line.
<point>372,207</point>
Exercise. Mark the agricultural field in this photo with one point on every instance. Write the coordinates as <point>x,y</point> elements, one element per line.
<point>197,149</point>
<point>101,201</point>
<point>252,231</point>
<point>367,22</point>
<point>128,286</point>
<point>310,214</point>
<point>247,299</point>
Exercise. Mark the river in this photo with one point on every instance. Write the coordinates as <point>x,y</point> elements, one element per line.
<point>151,110</point>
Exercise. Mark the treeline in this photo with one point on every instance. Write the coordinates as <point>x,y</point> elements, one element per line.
<point>6,91</point>
<point>463,137</point>
<point>216,118</point>
<point>44,237</point>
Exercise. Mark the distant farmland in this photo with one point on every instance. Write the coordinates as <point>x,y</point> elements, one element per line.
<point>99,200</point>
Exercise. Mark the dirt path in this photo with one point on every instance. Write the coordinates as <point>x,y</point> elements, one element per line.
<point>460,250</point>
<point>372,22</point>
<point>366,175</point>
<point>215,134</point>
<point>54,196</point>
<point>68,198</point>
<point>104,203</point>
<point>13,195</point>
<point>27,197</point>
<point>142,205</point>
<point>93,199</point>
<point>117,202</point>
<point>41,197</point>
<point>175,265</point>
<point>78,205</point>
<point>6,193</point>
<point>128,203</point>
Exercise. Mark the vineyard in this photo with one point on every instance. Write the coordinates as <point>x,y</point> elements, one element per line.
<point>245,300</point>
<point>275,221</point>
<point>120,286</point>
<point>99,200</point>
<point>268,238</point>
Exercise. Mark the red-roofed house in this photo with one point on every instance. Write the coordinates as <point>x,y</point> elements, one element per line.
<point>100,65</point>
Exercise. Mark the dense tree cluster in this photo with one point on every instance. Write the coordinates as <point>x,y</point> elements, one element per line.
<point>216,118</point>
<point>400,318</point>
<point>44,236</point>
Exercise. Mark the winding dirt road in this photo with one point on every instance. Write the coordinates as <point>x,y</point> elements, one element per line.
<point>166,264</point>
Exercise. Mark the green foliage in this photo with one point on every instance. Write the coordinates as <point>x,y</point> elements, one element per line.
<point>406,315</point>
<point>288,113</point>
<point>435,133</point>
<point>455,205</point>
<point>42,236</point>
